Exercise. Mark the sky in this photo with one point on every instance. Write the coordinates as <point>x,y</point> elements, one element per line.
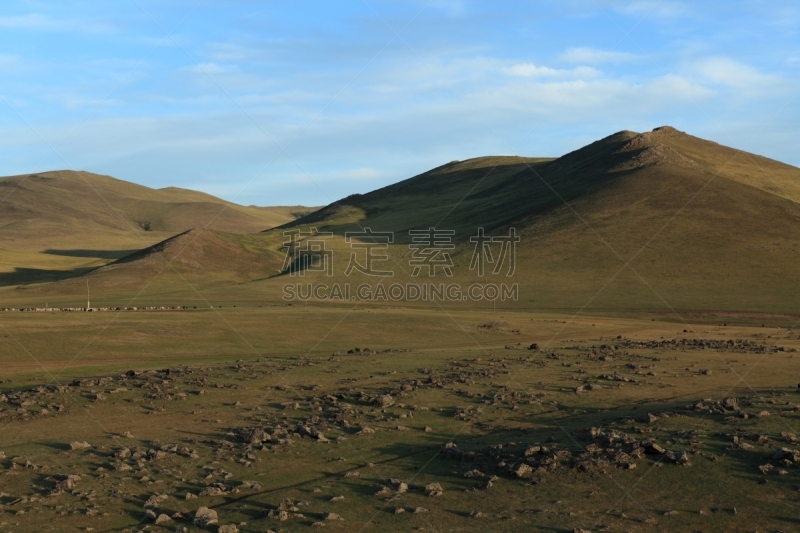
<point>304,102</point>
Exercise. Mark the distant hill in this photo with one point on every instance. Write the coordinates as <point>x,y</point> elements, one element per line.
<point>703,226</point>
<point>499,191</point>
<point>63,223</point>
<point>200,256</point>
<point>654,221</point>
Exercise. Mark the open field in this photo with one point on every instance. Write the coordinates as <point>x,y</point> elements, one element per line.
<point>379,266</point>
<point>247,407</point>
<point>641,378</point>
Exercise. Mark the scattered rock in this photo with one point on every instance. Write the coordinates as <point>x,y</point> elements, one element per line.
<point>521,470</point>
<point>155,500</point>
<point>384,401</point>
<point>434,489</point>
<point>204,517</point>
<point>650,418</point>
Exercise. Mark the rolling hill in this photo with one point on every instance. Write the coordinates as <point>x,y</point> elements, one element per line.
<point>499,191</point>
<point>654,221</point>
<point>63,223</point>
<point>659,220</point>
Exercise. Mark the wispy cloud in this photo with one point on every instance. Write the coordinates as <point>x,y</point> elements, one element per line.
<point>731,73</point>
<point>40,22</point>
<point>352,106</point>
<point>9,62</point>
<point>530,70</point>
<point>33,21</point>
<point>655,8</point>
<point>453,8</point>
<point>593,56</point>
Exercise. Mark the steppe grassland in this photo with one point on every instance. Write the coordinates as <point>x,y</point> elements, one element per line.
<point>285,355</point>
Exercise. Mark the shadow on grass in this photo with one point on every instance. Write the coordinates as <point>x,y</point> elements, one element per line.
<point>99,254</point>
<point>60,446</point>
<point>27,276</point>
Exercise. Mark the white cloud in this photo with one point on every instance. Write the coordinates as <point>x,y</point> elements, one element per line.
<point>726,71</point>
<point>39,22</point>
<point>595,56</point>
<point>655,8</point>
<point>8,62</point>
<point>453,8</point>
<point>529,70</point>
<point>209,69</point>
<point>33,21</point>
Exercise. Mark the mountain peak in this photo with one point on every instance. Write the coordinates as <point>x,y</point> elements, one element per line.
<point>666,130</point>
<point>653,148</point>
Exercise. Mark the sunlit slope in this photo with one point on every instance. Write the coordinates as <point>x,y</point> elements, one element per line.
<point>57,224</point>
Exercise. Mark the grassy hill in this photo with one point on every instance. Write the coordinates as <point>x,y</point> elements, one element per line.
<point>495,192</point>
<point>60,224</point>
<point>660,221</point>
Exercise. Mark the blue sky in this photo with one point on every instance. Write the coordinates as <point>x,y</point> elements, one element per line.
<point>266,102</point>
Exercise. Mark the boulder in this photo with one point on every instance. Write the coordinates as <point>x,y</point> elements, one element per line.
<point>730,403</point>
<point>521,470</point>
<point>384,401</point>
<point>204,517</point>
<point>434,489</point>
<point>651,448</point>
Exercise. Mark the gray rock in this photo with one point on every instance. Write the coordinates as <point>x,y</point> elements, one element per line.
<point>204,517</point>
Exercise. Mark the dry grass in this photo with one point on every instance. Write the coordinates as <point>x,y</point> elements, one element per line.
<point>525,397</point>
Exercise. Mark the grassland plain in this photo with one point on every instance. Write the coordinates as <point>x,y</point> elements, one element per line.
<point>645,378</point>
<point>208,385</point>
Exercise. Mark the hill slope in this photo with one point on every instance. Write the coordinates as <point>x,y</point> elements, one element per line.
<point>200,255</point>
<point>498,191</point>
<point>57,224</point>
<point>655,221</point>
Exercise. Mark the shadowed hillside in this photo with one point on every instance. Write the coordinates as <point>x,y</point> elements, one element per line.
<point>655,220</point>
<point>494,192</point>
